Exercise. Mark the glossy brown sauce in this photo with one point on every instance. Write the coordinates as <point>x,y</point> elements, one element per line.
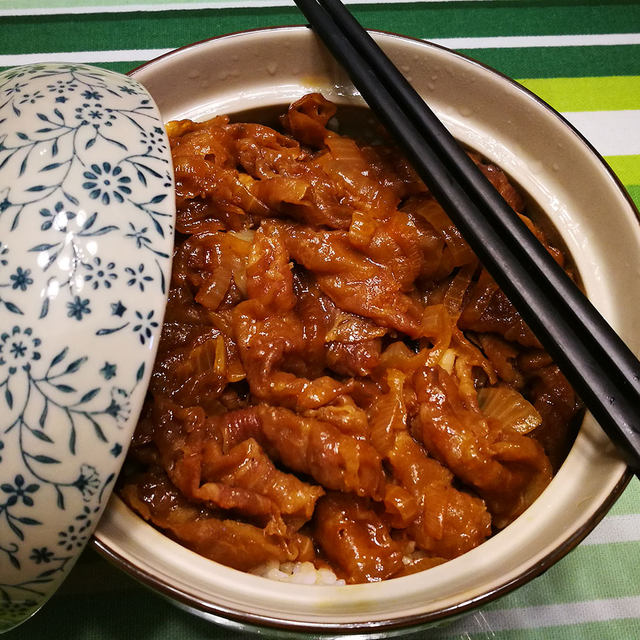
<point>338,379</point>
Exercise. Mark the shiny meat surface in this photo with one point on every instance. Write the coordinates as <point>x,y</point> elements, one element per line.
<point>338,379</point>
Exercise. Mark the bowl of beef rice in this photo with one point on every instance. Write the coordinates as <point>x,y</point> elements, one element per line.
<point>349,429</point>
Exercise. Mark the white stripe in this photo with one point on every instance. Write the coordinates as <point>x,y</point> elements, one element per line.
<point>510,42</point>
<point>127,8</point>
<point>624,528</point>
<point>551,615</point>
<point>116,55</point>
<point>612,133</point>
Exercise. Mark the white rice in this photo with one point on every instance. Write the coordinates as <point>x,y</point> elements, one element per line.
<point>297,573</point>
<point>306,572</point>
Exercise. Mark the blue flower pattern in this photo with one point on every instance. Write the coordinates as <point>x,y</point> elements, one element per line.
<point>99,274</point>
<point>20,279</point>
<point>77,308</point>
<point>67,402</point>
<point>63,151</point>
<point>107,183</point>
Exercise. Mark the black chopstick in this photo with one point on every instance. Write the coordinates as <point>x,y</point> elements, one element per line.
<point>487,198</point>
<point>601,368</point>
<point>577,307</point>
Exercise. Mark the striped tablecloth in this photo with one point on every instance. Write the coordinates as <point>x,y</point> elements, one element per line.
<point>583,57</point>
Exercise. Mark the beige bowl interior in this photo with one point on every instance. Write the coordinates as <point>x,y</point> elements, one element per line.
<point>591,213</point>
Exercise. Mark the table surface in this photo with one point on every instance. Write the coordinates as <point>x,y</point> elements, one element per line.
<point>583,57</point>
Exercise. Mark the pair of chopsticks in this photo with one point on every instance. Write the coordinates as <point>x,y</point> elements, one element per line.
<point>601,368</point>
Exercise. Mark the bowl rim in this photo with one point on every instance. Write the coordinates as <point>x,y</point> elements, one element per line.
<point>223,614</point>
<point>429,43</point>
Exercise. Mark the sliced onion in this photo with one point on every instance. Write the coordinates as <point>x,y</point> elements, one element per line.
<point>448,360</point>
<point>220,363</point>
<point>456,291</point>
<point>212,292</point>
<point>362,228</point>
<point>506,407</point>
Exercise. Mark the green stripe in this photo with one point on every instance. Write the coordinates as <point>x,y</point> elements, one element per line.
<point>142,615</point>
<point>99,32</point>
<point>627,168</point>
<point>588,94</point>
<point>82,579</point>
<point>70,4</point>
<point>629,501</point>
<point>120,67</point>
<point>537,10</point>
<point>564,62</point>
<point>606,630</point>
<point>634,192</point>
<point>596,571</point>
<point>514,18</point>
<point>423,20</point>
<point>172,29</point>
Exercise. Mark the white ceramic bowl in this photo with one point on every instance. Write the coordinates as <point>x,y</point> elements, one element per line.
<point>590,211</point>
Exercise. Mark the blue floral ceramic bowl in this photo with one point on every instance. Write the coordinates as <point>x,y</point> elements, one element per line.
<point>86,231</point>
